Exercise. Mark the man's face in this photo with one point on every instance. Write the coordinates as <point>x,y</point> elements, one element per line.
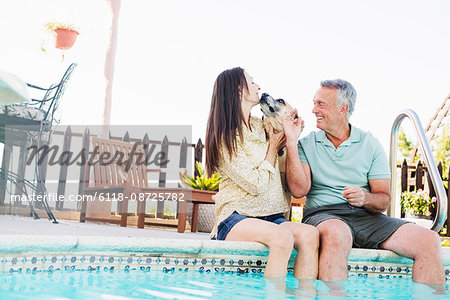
<point>328,114</point>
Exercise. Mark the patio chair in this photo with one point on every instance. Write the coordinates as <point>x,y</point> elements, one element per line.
<point>116,181</point>
<point>40,111</point>
<point>23,123</point>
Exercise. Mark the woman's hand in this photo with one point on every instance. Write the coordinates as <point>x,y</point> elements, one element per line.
<point>292,126</point>
<point>276,142</point>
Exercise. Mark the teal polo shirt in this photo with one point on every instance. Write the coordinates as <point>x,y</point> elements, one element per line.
<point>356,161</point>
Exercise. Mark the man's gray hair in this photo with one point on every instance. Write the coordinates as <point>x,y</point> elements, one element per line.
<point>345,94</point>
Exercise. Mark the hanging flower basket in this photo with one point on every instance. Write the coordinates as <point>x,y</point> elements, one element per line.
<point>65,38</point>
<point>65,34</point>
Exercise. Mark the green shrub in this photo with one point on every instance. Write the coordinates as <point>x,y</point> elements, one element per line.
<point>418,202</point>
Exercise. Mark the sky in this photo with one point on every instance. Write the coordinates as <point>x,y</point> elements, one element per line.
<point>395,53</point>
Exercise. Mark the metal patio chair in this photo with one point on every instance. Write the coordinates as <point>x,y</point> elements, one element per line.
<point>22,124</point>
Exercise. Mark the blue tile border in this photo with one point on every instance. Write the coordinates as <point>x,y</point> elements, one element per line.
<point>50,262</point>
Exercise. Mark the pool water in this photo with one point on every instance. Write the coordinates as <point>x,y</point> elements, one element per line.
<point>156,284</point>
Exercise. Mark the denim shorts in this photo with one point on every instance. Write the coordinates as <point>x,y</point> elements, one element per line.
<point>226,225</point>
<point>368,230</point>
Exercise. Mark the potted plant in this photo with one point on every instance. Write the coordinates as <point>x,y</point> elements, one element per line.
<point>417,204</point>
<point>65,34</point>
<point>203,187</point>
<point>202,181</point>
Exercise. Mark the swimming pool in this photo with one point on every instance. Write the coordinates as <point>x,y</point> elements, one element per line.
<point>120,284</point>
<point>55,267</point>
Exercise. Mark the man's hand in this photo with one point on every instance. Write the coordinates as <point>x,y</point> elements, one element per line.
<point>292,126</point>
<point>354,195</point>
<point>376,201</point>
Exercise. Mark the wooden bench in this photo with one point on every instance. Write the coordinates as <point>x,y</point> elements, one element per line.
<point>111,180</point>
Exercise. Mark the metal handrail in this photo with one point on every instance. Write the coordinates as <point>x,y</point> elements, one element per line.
<point>441,210</point>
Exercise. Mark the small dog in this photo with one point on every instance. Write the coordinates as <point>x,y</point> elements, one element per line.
<point>274,111</point>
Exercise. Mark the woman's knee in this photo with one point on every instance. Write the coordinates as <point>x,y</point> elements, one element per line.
<point>281,239</point>
<point>306,236</point>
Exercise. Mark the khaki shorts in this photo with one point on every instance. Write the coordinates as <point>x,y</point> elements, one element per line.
<point>368,230</point>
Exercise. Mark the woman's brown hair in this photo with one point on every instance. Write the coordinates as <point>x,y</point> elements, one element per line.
<point>225,116</point>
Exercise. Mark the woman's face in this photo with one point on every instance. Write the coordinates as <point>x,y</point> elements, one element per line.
<point>252,95</point>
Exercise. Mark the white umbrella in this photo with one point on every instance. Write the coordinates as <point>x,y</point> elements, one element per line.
<point>13,90</point>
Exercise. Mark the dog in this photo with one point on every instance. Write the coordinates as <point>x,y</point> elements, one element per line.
<point>274,111</point>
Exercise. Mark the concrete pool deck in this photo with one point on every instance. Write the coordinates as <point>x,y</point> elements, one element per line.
<point>28,226</point>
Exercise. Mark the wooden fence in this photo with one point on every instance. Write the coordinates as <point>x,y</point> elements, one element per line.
<point>68,138</point>
<point>416,176</point>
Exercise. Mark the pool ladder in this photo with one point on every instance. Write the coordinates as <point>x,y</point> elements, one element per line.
<point>393,210</point>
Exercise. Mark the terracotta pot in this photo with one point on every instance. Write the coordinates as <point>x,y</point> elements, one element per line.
<point>65,38</point>
<point>203,195</point>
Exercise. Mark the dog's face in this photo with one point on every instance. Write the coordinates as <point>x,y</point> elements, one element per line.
<point>274,111</point>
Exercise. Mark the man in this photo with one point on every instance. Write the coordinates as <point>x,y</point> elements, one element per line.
<point>344,173</point>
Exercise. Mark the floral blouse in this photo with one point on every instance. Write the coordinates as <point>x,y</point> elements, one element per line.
<point>250,185</point>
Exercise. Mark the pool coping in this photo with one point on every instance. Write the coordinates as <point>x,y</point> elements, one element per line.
<point>24,244</point>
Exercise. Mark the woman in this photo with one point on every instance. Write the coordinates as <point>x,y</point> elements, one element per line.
<point>251,201</point>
